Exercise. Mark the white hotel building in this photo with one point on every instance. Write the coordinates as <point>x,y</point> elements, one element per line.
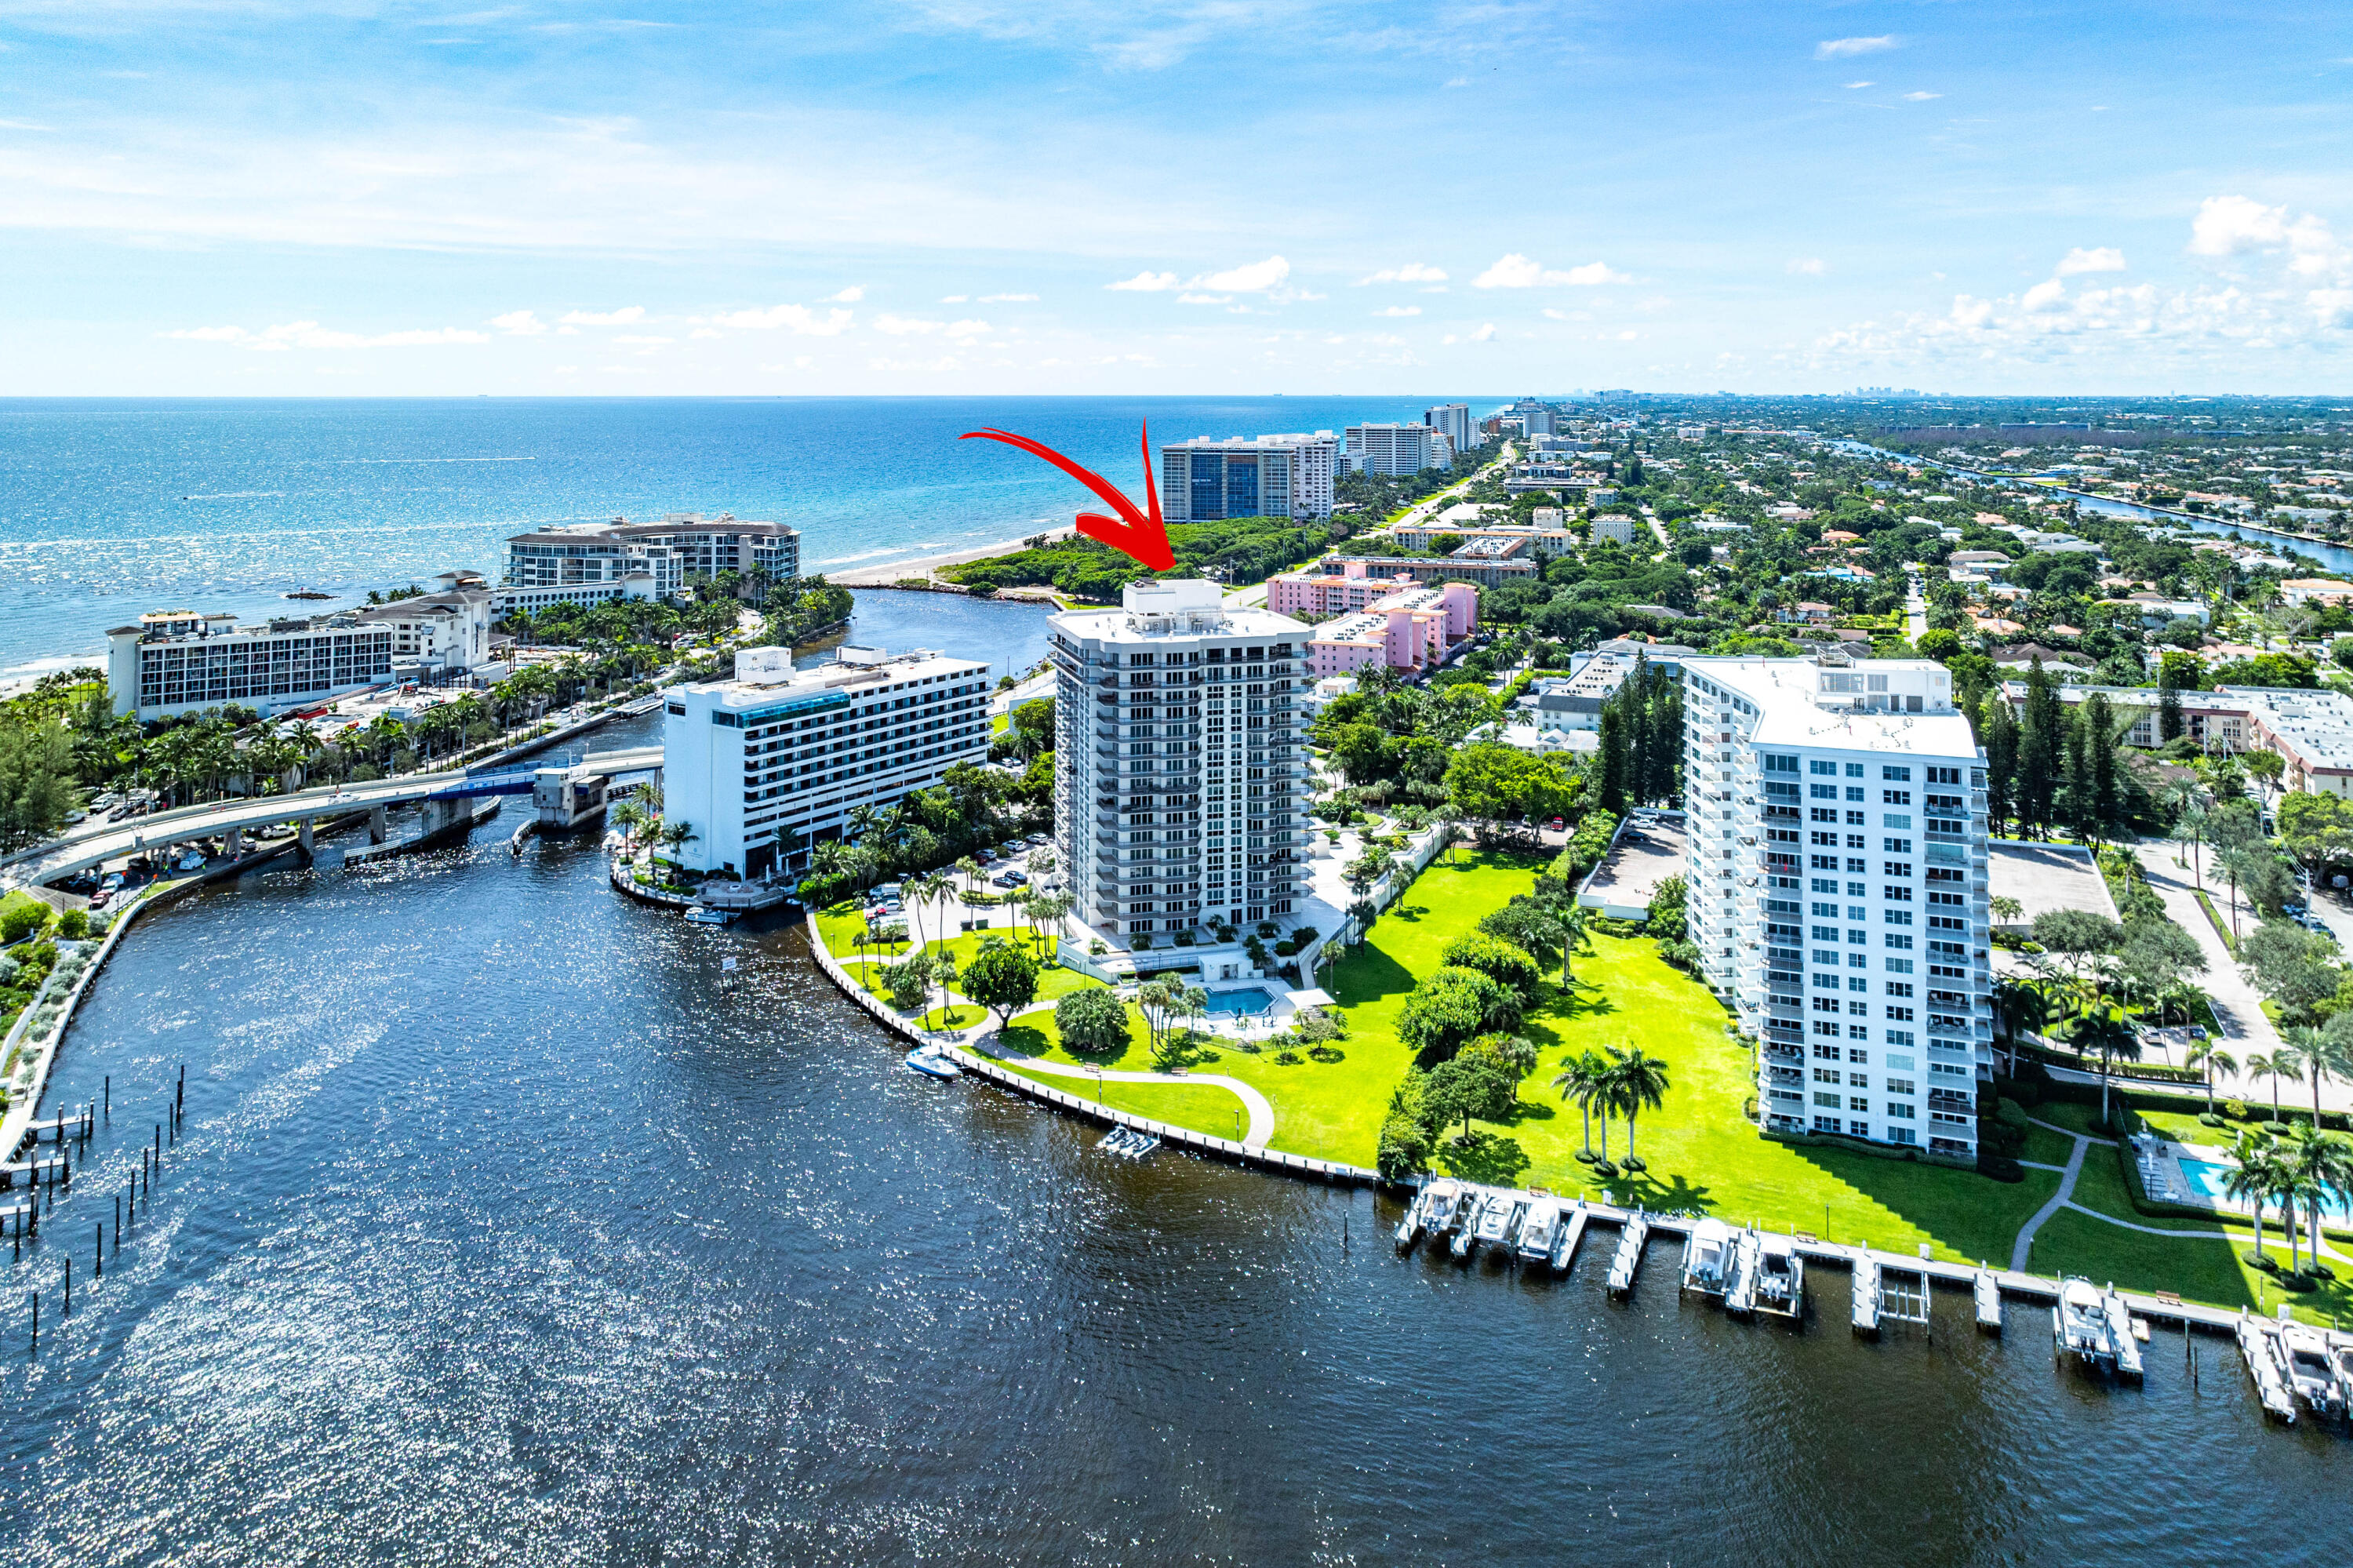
<point>1181,786</point>
<point>1204,480</point>
<point>1838,886</point>
<point>778,752</point>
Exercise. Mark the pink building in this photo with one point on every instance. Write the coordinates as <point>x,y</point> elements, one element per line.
<point>1410,628</point>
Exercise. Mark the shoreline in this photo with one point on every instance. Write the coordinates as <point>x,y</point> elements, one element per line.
<point>890,574</point>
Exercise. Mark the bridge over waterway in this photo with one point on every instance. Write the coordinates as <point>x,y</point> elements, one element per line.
<point>562,792</point>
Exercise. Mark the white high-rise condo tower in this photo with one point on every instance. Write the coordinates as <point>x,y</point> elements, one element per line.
<point>1179,760</point>
<point>1837,875</point>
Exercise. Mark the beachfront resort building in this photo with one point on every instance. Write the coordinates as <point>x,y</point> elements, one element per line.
<point>1453,421</point>
<point>588,563</point>
<point>763,764</point>
<point>178,662</point>
<point>1837,890</point>
<point>1180,779</point>
<point>1204,480</point>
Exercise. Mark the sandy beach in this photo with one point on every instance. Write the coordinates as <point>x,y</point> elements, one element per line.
<point>884,574</point>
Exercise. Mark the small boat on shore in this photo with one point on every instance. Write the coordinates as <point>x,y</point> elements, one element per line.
<point>931,1062</point>
<point>701,914</point>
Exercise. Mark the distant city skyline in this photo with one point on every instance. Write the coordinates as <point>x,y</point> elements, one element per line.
<point>1267,195</point>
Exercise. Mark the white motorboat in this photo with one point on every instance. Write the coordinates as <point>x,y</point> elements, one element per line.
<point>932,1062</point>
<point>1864,1317</point>
<point>2080,1327</point>
<point>1499,1217</point>
<point>1777,1280</point>
<point>1707,1256</point>
<point>1466,1223</point>
<point>1408,1228</point>
<point>2303,1356</point>
<point>702,915</point>
<point>1440,1203</point>
<point>1538,1229</point>
<point>2340,1362</point>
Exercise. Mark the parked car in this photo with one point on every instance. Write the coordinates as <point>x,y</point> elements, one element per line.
<point>98,899</point>
<point>112,880</point>
<point>1556,825</point>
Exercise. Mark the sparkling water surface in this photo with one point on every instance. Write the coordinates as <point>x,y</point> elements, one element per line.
<point>110,508</point>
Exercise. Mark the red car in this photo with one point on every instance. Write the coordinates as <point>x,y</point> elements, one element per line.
<point>1556,826</point>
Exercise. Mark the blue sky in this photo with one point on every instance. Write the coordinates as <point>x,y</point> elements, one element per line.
<point>243,198</point>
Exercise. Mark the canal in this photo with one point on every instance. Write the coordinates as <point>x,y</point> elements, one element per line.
<point>508,1225</point>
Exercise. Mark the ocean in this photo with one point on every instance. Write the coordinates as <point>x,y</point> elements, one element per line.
<point>110,508</point>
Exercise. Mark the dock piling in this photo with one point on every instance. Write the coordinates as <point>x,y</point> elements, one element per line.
<point>98,1253</point>
<point>108,1092</point>
<point>36,1320</point>
<point>68,1311</point>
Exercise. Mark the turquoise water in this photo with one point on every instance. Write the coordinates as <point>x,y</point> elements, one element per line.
<point>1252,1000</point>
<point>2207,1178</point>
<point>111,507</point>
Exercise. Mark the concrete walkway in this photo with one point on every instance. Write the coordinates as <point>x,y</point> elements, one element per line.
<point>1262,1114</point>
<point>2024,1244</point>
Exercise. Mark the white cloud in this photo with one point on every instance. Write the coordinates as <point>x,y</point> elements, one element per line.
<point>905,327</point>
<point>2044,296</point>
<point>1921,97</point>
<point>1205,299</point>
<point>643,342</point>
<point>311,335</point>
<point>1008,299</point>
<point>799,319</point>
<point>1256,278</point>
<point>1401,311</point>
<point>2106,259</point>
<point>1457,81</point>
<point>1485,332</point>
<point>1846,49</point>
<point>703,332</point>
<point>849,296</point>
<point>1809,265</point>
<point>622,317</point>
<point>2230,224</point>
<point>1628,336</point>
<point>954,299</point>
<point>967,329</point>
<point>519,324</point>
<point>1148,283</point>
<point>1518,271</point>
<point>1858,86</point>
<point>1412,272</point>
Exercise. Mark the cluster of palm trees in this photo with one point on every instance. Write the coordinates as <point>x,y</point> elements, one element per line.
<point>641,817</point>
<point>1612,1083</point>
<point>2303,1169</point>
<point>2305,1051</point>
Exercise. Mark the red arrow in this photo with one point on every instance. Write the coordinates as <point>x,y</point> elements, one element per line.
<point>1141,536</point>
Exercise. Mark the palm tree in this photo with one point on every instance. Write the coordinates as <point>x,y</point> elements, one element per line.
<point>675,836</point>
<point>2208,1054</point>
<point>2282,1062</point>
<point>2327,1055</point>
<point>2019,1007</point>
<point>2005,910</point>
<point>1573,939</point>
<point>2104,1030</point>
<point>2322,1166</point>
<point>1575,1081</point>
<point>1641,1081</point>
<point>2255,1178</point>
<point>969,869</point>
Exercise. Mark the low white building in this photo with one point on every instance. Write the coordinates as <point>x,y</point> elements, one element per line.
<point>763,764</point>
<point>1615,527</point>
<point>176,661</point>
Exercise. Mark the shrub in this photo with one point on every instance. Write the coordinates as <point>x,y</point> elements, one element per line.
<point>1092,1023</point>
<point>74,922</point>
<point>1497,960</point>
<point>908,981</point>
<point>23,920</point>
<point>1449,1007</point>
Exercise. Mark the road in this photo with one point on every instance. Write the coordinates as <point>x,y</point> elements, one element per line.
<point>1916,608</point>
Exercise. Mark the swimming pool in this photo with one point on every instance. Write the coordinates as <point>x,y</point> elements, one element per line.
<point>1251,999</point>
<point>2206,1178</point>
